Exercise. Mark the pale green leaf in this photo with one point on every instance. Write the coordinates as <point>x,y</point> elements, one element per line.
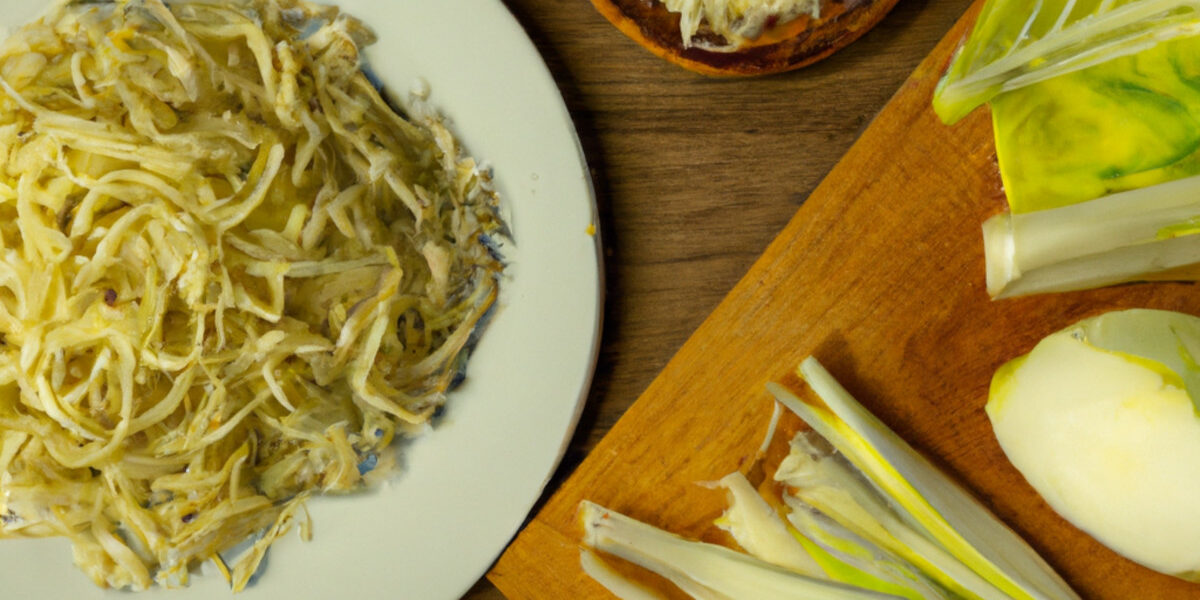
<point>1016,43</point>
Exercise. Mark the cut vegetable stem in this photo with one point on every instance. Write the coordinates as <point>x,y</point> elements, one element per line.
<point>1139,235</point>
<point>949,515</point>
<point>698,566</point>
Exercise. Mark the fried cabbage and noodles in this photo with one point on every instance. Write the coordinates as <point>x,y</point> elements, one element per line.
<point>230,275</point>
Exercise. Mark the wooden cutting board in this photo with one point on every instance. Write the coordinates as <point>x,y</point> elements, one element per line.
<point>880,275</point>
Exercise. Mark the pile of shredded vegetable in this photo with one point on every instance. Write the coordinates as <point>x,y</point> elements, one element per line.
<point>230,274</point>
<point>738,21</point>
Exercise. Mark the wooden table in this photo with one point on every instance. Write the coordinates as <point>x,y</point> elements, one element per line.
<point>695,176</point>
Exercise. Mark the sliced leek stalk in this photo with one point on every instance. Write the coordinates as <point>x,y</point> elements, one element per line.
<point>617,584</point>
<point>705,570</point>
<point>924,497</point>
<point>757,528</point>
<point>851,559</point>
<point>762,532</point>
<point>872,520</point>
<point>1140,235</point>
<point>831,486</point>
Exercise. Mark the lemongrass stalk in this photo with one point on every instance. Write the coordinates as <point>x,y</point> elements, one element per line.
<point>949,515</point>
<point>617,584</point>
<point>761,531</point>
<point>848,558</point>
<point>830,485</point>
<point>757,528</point>
<point>1138,235</point>
<point>698,567</point>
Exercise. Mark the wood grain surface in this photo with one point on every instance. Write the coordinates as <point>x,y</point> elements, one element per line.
<point>879,274</point>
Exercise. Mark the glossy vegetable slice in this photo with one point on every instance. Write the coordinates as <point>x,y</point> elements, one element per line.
<point>1101,420</point>
<point>1016,43</point>
<point>1128,123</point>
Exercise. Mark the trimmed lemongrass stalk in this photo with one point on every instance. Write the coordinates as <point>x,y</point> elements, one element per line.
<point>1139,235</point>
<point>917,490</point>
<point>705,570</point>
<point>757,528</point>
<point>617,584</point>
<point>832,487</point>
<point>761,531</point>
<point>849,558</point>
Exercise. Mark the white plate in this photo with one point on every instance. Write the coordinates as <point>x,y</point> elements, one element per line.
<point>469,484</point>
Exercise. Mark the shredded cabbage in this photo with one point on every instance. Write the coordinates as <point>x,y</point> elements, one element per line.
<point>230,275</point>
